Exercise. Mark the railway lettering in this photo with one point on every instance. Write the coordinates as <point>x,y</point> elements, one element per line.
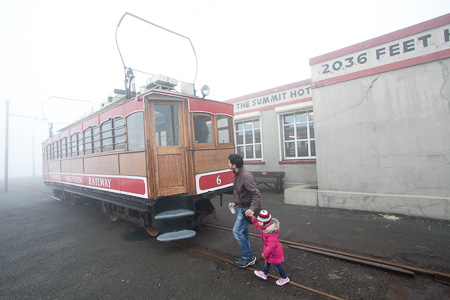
<point>101,182</point>
<point>74,179</point>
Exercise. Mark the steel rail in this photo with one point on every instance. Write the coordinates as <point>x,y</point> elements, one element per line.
<point>438,276</point>
<point>252,269</point>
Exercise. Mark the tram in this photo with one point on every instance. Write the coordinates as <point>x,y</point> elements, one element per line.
<point>156,159</point>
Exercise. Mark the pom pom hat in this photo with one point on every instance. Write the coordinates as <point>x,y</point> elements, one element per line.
<point>264,216</point>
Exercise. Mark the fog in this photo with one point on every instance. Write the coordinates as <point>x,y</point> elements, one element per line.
<point>57,50</point>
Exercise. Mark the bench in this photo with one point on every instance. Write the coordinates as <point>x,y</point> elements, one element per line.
<point>266,178</point>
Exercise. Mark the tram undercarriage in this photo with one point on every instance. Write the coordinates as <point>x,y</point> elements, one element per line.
<point>167,218</point>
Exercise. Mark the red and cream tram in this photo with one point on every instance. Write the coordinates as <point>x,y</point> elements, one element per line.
<point>155,160</point>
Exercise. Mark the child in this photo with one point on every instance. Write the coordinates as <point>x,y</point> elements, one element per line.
<point>272,251</point>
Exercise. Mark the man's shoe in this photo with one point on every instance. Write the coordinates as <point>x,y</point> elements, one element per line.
<point>237,260</point>
<point>247,262</point>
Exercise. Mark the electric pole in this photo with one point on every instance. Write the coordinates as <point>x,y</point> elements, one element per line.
<point>6,146</point>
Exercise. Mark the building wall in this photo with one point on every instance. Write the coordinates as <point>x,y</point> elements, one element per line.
<point>268,108</point>
<point>383,134</point>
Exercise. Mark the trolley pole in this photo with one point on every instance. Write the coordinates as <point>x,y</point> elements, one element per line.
<point>32,148</point>
<point>6,146</point>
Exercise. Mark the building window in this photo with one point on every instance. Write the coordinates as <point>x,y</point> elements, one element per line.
<point>135,131</point>
<point>248,139</point>
<point>298,135</point>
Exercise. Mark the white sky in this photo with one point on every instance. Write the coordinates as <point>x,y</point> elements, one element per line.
<point>67,49</point>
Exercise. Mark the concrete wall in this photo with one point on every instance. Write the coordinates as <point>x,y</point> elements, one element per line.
<point>383,142</point>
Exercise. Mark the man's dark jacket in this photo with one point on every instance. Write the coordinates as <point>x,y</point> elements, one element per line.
<point>244,183</point>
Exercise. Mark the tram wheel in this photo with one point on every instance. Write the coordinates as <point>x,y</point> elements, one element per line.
<point>152,232</point>
<point>73,200</point>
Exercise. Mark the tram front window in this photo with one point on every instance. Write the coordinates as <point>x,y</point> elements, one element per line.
<point>166,125</point>
<point>202,129</point>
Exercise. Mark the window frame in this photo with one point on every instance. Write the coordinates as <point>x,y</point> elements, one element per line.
<point>135,135</point>
<point>63,146</point>
<point>309,115</point>
<point>244,145</point>
<point>213,136</point>
<point>74,143</point>
<point>113,145</point>
<point>231,130</point>
<point>55,148</point>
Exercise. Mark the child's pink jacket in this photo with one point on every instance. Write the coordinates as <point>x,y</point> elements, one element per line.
<point>273,251</point>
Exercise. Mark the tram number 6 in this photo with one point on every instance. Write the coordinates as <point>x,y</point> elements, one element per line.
<point>337,65</point>
<point>218,180</point>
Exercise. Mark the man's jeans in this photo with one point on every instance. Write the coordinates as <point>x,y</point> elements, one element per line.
<point>240,232</point>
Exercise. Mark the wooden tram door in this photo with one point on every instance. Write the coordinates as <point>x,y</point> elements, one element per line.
<point>168,144</point>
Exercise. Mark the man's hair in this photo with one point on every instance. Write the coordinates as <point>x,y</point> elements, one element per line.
<point>237,160</point>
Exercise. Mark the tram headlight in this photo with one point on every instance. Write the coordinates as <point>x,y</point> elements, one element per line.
<point>205,91</point>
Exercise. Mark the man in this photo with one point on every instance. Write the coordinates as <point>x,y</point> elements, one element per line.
<point>246,197</point>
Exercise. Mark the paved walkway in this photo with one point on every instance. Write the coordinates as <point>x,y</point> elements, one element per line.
<point>419,242</point>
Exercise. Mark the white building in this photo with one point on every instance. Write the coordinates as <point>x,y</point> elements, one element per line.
<point>371,128</point>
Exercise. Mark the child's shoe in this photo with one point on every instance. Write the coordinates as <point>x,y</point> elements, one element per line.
<point>281,281</point>
<point>261,274</point>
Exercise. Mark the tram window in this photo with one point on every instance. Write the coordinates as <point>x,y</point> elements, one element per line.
<point>96,139</point>
<point>64,151</point>
<point>74,144</point>
<point>135,131</point>
<point>119,133</point>
<point>48,152</point>
<point>88,144</point>
<point>202,129</point>
<point>55,150</point>
<point>166,125</point>
<point>106,136</point>
<point>223,130</point>
<point>80,143</point>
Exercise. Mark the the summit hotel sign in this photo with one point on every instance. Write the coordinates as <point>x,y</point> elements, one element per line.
<point>297,92</point>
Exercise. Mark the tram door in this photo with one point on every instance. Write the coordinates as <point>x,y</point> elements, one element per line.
<point>168,145</point>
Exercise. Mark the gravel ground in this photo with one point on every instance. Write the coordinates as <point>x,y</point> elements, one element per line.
<point>50,249</point>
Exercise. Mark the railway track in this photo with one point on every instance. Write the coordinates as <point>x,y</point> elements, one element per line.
<point>309,289</point>
<point>408,270</point>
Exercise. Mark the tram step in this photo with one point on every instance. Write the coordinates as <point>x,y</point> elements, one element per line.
<point>176,235</point>
<point>174,214</point>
